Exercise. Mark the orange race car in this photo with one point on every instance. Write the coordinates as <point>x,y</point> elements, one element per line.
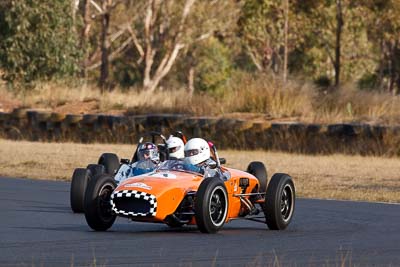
<point>175,195</point>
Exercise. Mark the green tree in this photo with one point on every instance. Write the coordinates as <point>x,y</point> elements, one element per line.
<point>152,35</point>
<point>335,45</point>
<point>383,24</point>
<point>261,27</point>
<point>212,67</point>
<point>37,41</point>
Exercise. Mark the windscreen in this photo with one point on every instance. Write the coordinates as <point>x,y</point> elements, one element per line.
<point>178,165</point>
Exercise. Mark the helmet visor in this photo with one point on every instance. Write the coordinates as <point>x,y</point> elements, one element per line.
<point>145,154</point>
<point>192,152</point>
<point>148,151</point>
<point>173,149</point>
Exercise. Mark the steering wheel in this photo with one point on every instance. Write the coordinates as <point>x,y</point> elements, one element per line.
<point>178,166</point>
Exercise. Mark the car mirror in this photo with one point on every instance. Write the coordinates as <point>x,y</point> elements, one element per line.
<point>212,165</point>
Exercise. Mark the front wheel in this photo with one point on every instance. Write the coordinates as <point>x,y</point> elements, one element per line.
<point>279,201</point>
<point>211,205</point>
<point>98,212</point>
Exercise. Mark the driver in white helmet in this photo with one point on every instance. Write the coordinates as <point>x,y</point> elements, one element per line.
<point>175,148</point>
<point>148,158</point>
<point>197,153</point>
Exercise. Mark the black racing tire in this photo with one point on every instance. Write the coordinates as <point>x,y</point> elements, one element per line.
<point>96,169</point>
<point>279,201</point>
<point>259,170</point>
<point>211,205</point>
<point>80,179</point>
<point>97,206</point>
<point>110,161</point>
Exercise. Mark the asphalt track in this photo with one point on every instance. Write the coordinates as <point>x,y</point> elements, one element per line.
<point>37,228</point>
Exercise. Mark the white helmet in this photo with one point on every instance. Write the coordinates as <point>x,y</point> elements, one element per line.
<point>197,150</point>
<point>175,147</point>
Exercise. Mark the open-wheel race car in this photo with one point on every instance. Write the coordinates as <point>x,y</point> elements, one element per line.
<point>175,195</point>
<point>109,163</point>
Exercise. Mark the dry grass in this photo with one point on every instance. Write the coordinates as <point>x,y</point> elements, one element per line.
<point>57,96</point>
<point>265,94</point>
<point>335,176</point>
<point>348,104</point>
<point>303,102</point>
<point>51,160</point>
<point>244,94</point>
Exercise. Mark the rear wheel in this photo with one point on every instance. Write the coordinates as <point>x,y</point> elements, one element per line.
<point>258,169</point>
<point>98,212</point>
<point>211,205</point>
<point>110,162</point>
<point>279,201</point>
<point>80,179</point>
<point>96,169</point>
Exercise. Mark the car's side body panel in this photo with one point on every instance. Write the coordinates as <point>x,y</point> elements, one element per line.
<point>170,187</point>
<point>233,188</point>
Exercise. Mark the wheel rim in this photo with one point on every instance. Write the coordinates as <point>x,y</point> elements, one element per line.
<point>217,206</point>
<point>104,204</point>
<point>286,204</point>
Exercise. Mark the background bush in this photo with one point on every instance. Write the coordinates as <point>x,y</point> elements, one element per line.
<point>38,41</point>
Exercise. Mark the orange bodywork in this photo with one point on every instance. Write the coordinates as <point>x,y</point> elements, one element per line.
<point>170,188</point>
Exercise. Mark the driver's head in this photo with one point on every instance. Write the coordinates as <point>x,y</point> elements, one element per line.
<point>148,151</point>
<point>175,147</point>
<point>197,151</point>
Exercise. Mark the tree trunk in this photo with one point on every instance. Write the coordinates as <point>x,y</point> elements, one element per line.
<point>165,66</point>
<point>191,81</point>
<point>382,58</point>
<point>152,78</point>
<point>105,23</point>
<point>339,19</point>
<point>74,9</point>
<point>149,57</point>
<point>393,67</point>
<point>397,68</point>
<point>286,30</point>
<point>149,54</point>
<point>85,36</point>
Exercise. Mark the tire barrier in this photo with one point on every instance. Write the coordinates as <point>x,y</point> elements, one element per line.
<point>296,137</point>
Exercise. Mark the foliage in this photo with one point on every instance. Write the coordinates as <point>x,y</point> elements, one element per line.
<point>37,41</point>
<point>213,67</point>
<point>319,21</point>
<point>156,43</point>
<point>261,30</point>
<point>368,81</point>
<point>163,30</point>
<point>383,28</point>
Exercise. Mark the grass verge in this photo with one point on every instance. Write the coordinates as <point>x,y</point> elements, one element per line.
<point>332,177</point>
<point>246,95</point>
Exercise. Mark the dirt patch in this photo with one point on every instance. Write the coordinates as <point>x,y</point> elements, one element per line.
<point>78,107</point>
